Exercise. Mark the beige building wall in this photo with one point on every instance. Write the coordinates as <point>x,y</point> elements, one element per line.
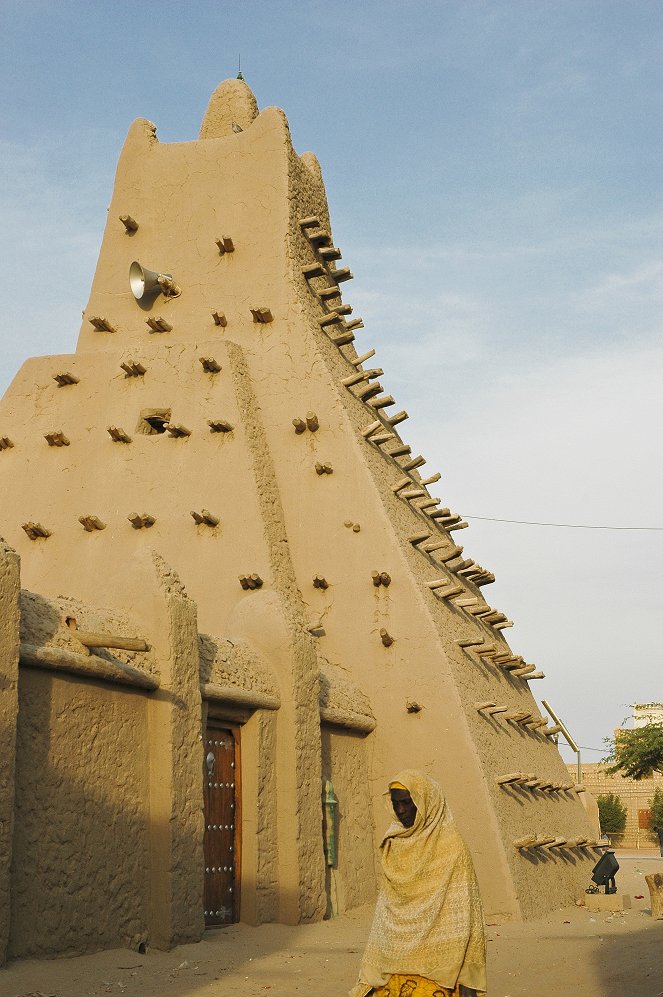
<point>636,796</point>
<point>415,696</point>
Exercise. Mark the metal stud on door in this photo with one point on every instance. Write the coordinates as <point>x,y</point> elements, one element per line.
<point>221,826</point>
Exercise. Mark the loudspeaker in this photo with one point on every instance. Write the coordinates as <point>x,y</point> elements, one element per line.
<point>146,283</point>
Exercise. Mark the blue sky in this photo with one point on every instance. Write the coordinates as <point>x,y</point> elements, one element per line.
<point>495,182</point>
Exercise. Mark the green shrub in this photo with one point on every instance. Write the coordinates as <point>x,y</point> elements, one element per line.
<point>656,807</point>
<point>612,813</point>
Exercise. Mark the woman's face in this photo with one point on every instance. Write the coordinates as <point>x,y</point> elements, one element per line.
<point>404,807</point>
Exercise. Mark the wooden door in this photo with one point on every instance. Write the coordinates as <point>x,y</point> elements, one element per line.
<point>222,824</point>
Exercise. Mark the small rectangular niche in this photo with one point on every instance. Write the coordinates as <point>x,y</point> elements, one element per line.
<point>153,421</point>
<point>220,426</point>
<point>64,379</point>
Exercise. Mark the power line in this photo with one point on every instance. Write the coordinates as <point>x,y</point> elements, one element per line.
<point>565,526</point>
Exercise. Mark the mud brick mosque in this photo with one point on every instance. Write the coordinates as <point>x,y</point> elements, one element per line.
<point>231,605</point>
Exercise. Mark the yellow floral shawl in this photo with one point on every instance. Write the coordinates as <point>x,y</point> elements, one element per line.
<point>428,918</point>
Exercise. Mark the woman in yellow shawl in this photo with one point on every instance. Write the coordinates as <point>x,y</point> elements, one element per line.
<point>427,938</point>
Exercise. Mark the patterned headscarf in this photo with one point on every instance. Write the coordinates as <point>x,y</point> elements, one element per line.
<point>428,918</point>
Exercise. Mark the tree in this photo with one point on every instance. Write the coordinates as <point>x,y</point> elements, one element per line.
<point>637,753</point>
<point>612,813</point>
<point>656,808</point>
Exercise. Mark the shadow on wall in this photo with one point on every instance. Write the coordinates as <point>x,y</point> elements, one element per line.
<point>81,849</point>
<point>80,861</point>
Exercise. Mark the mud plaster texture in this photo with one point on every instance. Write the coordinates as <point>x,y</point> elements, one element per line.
<point>9,644</point>
<point>278,519</point>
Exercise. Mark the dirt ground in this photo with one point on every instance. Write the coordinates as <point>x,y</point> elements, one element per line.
<point>574,951</point>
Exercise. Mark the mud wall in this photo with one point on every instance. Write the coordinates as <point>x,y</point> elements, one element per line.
<point>80,859</point>
<point>10,586</point>
<point>345,758</point>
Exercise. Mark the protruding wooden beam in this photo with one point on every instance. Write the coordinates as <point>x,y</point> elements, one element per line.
<point>220,426</point>
<point>503,780</point>
<point>101,324</point>
<point>225,244</point>
<point>412,493</point>
<point>323,469</point>
<point>210,365</point>
<point>56,439</point>
<point>313,270</point>
<point>338,276</point>
<point>368,390</point>
<point>372,427</point>
<point>529,841</point>
<point>381,438</point>
<point>65,378</point>
<point>320,583</point>
<point>358,361</point>
<point>118,435</point>
<point>300,425</point>
<point>401,416</point>
<point>329,319</point>
<point>158,324</point>
<point>262,315</point>
<point>400,451</point>
<point>90,639</point>
<point>318,236</point>
<point>141,521</point>
<point>176,430</point>
<point>355,323</point>
<point>433,478</point>
<point>326,292</point>
<point>132,368</point>
<point>450,555</point>
<point>344,340</point>
<point>386,637</point>
<point>205,518</point>
<point>36,531</point>
<point>5,443</point>
<point>415,462</point>
<point>91,523</point>
<point>311,221</point>
<point>484,705</point>
<point>329,253</point>
<point>416,538</point>
<point>312,422</point>
<point>250,581</point>
<point>220,319</point>
<point>130,224</point>
<point>402,482</point>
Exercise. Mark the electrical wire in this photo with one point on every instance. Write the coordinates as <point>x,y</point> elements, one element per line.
<point>565,526</point>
